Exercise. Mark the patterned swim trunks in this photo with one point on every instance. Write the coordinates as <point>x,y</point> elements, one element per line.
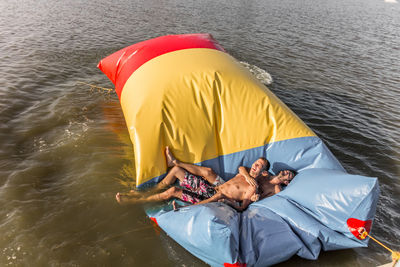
<point>196,188</point>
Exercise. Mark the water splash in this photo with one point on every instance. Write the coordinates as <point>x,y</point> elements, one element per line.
<point>73,133</point>
<point>391,1</point>
<point>262,75</point>
<point>13,255</point>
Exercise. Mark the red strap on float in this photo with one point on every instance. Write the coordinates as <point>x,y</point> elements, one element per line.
<point>237,264</point>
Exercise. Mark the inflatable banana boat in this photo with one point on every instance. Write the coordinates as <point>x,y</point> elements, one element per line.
<point>186,92</point>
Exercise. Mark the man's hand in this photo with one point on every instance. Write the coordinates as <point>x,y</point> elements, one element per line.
<point>255,197</point>
<point>250,180</point>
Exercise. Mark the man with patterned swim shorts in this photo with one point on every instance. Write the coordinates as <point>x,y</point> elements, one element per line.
<point>201,185</point>
<point>196,189</point>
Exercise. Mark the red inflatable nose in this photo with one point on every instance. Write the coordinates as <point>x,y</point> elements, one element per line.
<point>358,227</point>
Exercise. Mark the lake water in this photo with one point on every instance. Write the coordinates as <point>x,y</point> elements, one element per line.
<point>65,150</point>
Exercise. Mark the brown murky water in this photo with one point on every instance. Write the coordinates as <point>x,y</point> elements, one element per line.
<point>65,151</point>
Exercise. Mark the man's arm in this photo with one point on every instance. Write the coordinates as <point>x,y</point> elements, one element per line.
<point>214,198</point>
<point>250,180</point>
<point>245,204</point>
<point>235,204</point>
<point>220,197</point>
<point>248,197</point>
<point>232,203</point>
<point>247,200</point>
<point>277,188</point>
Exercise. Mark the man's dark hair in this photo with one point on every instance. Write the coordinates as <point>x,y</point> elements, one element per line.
<point>267,165</point>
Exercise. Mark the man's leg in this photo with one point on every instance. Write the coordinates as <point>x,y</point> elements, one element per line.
<point>169,179</point>
<point>173,192</point>
<point>175,173</point>
<point>205,172</point>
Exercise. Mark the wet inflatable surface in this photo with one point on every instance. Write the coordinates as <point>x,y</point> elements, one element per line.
<point>186,92</point>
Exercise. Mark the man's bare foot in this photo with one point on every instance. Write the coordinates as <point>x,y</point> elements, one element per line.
<point>118,197</point>
<point>125,199</point>
<point>171,160</point>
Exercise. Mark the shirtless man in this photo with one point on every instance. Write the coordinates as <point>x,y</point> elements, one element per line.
<point>202,185</point>
<point>268,185</point>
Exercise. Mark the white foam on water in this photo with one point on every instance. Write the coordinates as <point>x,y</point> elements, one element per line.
<point>262,75</point>
<point>13,256</point>
<point>73,132</point>
<point>391,1</point>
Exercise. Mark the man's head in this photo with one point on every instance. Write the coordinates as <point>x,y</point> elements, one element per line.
<point>286,176</point>
<point>260,166</point>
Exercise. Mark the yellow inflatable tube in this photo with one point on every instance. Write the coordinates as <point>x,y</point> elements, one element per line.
<point>203,104</point>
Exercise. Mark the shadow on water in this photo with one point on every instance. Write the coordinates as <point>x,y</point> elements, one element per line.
<point>329,258</point>
<point>116,124</point>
